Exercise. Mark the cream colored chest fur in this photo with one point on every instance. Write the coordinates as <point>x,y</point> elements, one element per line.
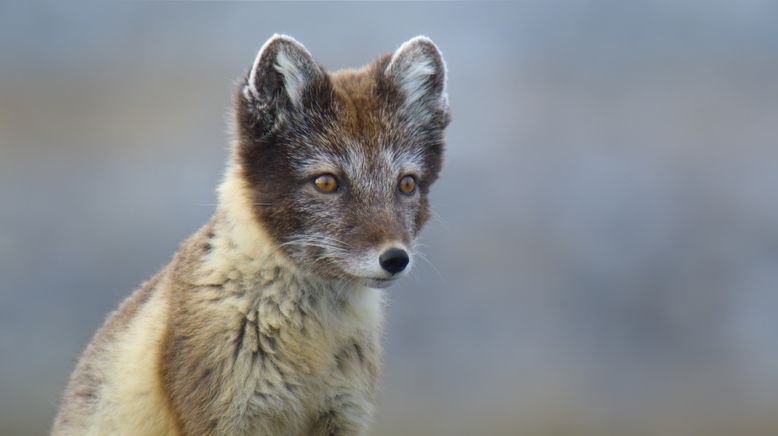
<point>257,347</point>
<point>260,355</point>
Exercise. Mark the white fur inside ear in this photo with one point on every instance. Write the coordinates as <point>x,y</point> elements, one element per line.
<point>285,63</point>
<point>413,80</point>
<point>294,79</point>
<point>411,67</point>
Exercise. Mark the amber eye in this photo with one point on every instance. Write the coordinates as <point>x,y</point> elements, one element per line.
<point>408,185</point>
<point>326,183</point>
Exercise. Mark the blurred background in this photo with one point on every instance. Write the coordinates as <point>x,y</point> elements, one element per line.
<point>605,255</point>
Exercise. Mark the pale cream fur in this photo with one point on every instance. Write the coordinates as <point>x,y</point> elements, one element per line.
<point>231,278</point>
<point>253,257</point>
<point>134,403</point>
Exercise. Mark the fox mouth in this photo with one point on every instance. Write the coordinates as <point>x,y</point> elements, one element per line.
<point>377,282</point>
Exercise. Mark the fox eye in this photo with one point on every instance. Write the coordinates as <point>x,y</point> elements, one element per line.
<point>326,183</point>
<point>408,185</point>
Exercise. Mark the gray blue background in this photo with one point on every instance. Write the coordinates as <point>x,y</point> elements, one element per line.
<point>604,258</point>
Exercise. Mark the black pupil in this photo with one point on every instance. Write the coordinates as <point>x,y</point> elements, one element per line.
<point>325,182</point>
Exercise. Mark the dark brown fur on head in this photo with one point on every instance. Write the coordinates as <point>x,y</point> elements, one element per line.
<point>368,127</point>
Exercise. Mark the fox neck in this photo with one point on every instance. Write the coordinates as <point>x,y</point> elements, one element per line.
<point>241,247</point>
<point>240,225</point>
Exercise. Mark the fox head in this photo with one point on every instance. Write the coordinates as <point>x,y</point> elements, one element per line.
<point>339,165</point>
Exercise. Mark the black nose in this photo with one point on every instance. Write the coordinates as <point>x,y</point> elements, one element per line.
<point>394,260</point>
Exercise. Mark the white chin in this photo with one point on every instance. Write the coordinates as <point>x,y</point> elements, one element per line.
<point>376,283</point>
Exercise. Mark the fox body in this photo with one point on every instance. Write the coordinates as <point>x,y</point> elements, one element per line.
<point>268,320</point>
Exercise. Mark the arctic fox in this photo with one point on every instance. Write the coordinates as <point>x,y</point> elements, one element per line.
<point>268,320</point>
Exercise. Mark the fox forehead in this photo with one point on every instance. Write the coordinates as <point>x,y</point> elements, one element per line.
<point>360,135</point>
<point>356,160</point>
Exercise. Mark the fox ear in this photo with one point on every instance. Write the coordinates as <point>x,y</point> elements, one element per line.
<point>418,70</point>
<point>282,73</point>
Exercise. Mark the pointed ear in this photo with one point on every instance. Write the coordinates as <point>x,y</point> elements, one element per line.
<point>281,74</point>
<point>418,70</point>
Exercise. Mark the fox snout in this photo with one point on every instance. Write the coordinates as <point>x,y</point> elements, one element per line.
<point>378,267</point>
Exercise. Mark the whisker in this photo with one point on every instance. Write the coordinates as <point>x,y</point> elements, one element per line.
<point>434,268</point>
<point>436,217</point>
<point>311,241</point>
<point>335,247</point>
